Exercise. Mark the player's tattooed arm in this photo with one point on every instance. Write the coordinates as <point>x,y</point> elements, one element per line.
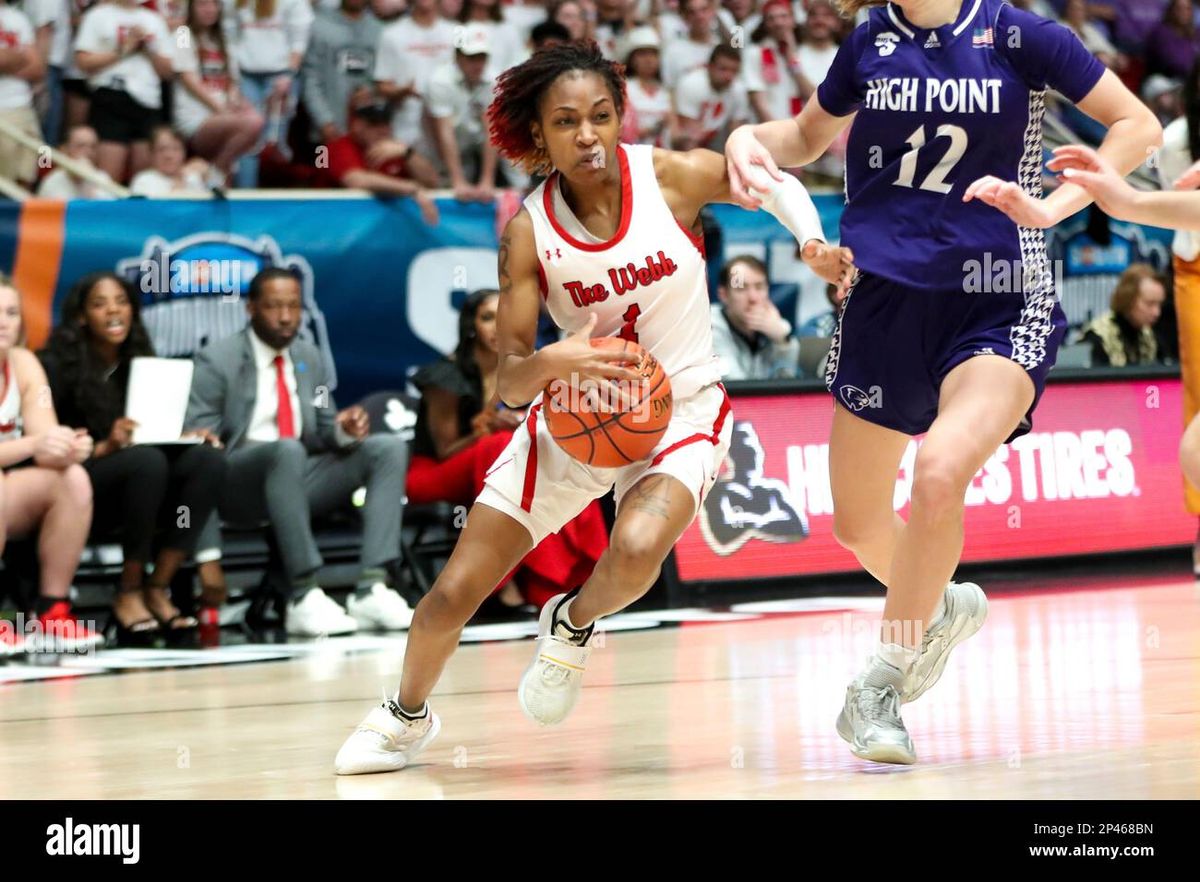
<point>521,375</point>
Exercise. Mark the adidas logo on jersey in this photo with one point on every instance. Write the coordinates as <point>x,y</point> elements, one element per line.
<point>933,42</point>
<point>886,43</point>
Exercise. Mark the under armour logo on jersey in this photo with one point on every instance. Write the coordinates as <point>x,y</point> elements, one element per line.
<point>557,255</point>
<point>886,43</point>
<point>933,42</point>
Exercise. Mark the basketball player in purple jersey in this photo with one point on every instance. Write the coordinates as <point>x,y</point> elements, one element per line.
<point>945,100</point>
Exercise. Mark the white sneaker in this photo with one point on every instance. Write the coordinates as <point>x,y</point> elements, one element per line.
<point>550,685</point>
<point>965,611</point>
<point>315,615</point>
<point>383,608</point>
<point>870,720</point>
<point>384,741</point>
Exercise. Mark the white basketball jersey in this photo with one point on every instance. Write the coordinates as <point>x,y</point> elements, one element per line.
<point>10,405</point>
<point>647,283</point>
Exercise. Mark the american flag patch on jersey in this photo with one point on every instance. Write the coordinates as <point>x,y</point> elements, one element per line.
<point>983,37</point>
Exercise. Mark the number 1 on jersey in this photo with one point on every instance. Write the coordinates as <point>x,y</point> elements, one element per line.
<point>631,316</point>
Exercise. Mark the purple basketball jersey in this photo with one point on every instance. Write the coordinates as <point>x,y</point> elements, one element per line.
<point>937,110</point>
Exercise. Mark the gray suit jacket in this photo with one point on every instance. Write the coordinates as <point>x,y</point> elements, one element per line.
<point>225,383</point>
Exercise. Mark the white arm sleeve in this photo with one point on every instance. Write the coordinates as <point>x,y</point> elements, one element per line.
<point>791,205</point>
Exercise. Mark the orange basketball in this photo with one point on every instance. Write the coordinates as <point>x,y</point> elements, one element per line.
<point>614,423</point>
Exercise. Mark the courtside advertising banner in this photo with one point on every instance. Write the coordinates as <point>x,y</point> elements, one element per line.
<point>1098,473</point>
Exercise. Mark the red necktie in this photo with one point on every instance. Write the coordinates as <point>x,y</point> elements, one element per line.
<point>283,416</point>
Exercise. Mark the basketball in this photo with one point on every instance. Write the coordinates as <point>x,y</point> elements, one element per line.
<point>611,424</point>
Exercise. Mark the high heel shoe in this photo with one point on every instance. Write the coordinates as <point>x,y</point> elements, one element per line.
<point>138,634</point>
<point>178,629</point>
<point>135,635</point>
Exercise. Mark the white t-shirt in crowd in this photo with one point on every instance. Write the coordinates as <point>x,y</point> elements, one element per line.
<point>57,14</point>
<point>263,45</point>
<point>15,30</point>
<point>450,96</point>
<point>683,56</point>
<point>764,69</point>
<point>60,185</point>
<point>100,31</point>
<point>648,109</point>
<point>815,62</point>
<point>525,18</point>
<point>410,53</point>
<point>748,27</point>
<point>216,70</point>
<point>151,182</point>
<point>695,98</point>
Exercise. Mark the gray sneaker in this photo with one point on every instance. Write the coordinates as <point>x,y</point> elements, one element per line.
<point>966,610</point>
<point>870,722</point>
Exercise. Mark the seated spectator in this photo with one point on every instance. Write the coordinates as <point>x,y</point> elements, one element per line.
<point>1076,16</point>
<point>268,39</point>
<point>461,429</point>
<point>215,120</point>
<point>547,34</point>
<point>139,490</point>
<point>292,455</point>
<point>1172,47</point>
<point>409,51</point>
<point>614,19</point>
<point>680,57</point>
<point>62,184</point>
<point>526,15</point>
<point>648,102</point>
<point>45,492</point>
<point>171,172</point>
<point>776,82</point>
<point>825,323</point>
<point>1125,334</point>
<point>506,46</point>
<point>711,102</point>
<point>20,66</point>
<point>570,14</point>
<point>1135,20</point>
<point>738,19</point>
<point>340,60</point>
<point>459,94</point>
<point>126,53</point>
<point>367,157</point>
<point>751,339</point>
<point>1165,97</point>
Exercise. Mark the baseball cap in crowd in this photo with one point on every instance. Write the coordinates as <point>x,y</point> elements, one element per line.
<point>474,42</point>
<point>643,37</point>
<point>372,109</point>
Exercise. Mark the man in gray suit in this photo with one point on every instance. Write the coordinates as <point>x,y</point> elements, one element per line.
<point>265,394</point>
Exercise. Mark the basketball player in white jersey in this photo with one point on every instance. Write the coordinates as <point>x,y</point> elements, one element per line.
<point>610,242</point>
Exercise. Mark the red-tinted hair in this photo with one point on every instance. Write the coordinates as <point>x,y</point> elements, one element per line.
<point>520,90</point>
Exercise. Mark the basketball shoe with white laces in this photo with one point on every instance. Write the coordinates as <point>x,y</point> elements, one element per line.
<point>386,740</point>
<point>965,611</point>
<point>870,719</point>
<point>550,686</point>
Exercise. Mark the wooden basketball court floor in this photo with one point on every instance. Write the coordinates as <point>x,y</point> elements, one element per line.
<point>1084,693</point>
